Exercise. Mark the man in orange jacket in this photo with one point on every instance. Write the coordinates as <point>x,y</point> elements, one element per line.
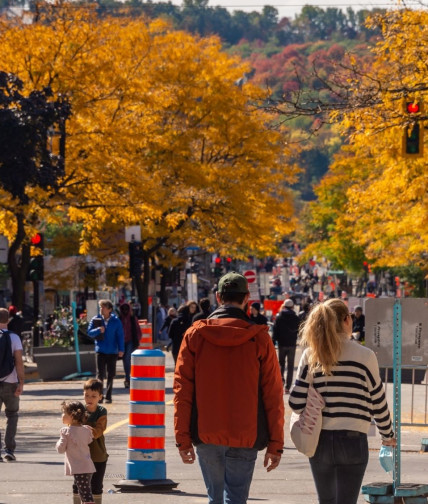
<point>228,396</point>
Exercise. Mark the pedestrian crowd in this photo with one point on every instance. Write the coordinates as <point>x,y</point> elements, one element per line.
<point>231,373</point>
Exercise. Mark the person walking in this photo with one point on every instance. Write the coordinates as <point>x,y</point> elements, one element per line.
<point>107,331</point>
<point>180,324</point>
<point>227,421</point>
<point>347,376</point>
<point>205,306</point>
<point>285,332</point>
<point>256,316</point>
<point>11,383</point>
<point>74,443</point>
<point>131,332</point>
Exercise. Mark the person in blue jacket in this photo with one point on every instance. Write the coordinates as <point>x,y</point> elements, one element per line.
<point>107,330</point>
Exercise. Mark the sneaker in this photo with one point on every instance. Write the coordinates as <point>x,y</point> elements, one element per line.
<point>108,401</point>
<point>9,456</point>
<point>126,383</point>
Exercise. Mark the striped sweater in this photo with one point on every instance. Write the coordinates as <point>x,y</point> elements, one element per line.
<point>353,392</point>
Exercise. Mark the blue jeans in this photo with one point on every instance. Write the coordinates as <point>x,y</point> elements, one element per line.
<point>227,472</point>
<point>338,466</point>
<point>11,408</point>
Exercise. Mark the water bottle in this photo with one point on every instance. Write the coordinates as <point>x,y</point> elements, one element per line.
<point>386,458</point>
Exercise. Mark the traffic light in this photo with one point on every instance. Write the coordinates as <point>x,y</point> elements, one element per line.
<point>413,135</point>
<point>218,268</point>
<point>228,263</point>
<point>36,267</point>
<point>135,259</point>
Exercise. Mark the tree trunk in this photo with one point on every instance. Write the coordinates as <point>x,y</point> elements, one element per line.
<point>18,270</point>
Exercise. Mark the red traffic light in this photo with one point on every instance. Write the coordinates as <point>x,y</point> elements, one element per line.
<point>229,259</point>
<point>217,260</point>
<point>36,239</point>
<point>413,108</point>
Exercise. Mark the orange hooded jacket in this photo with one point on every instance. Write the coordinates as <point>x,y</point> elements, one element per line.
<point>228,387</point>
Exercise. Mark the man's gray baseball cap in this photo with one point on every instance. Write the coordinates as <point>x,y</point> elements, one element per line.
<point>233,282</point>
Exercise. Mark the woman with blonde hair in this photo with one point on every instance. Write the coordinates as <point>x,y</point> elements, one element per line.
<point>346,374</point>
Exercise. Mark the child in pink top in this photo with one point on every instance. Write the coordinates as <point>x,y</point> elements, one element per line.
<point>74,443</point>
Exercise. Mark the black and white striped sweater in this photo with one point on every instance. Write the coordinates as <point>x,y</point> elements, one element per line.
<point>353,392</point>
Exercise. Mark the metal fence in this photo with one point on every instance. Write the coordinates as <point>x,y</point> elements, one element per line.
<point>414,394</point>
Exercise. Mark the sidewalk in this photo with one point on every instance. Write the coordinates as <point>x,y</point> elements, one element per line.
<point>38,473</point>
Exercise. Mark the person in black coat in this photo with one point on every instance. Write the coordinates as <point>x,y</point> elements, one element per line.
<point>205,306</point>
<point>285,332</point>
<point>358,324</point>
<point>180,325</point>
<point>256,316</point>
<point>16,322</point>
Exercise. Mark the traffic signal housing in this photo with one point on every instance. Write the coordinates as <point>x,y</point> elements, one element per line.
<point>135,259</point>
<point>413,135</point>
<point>36,268</point>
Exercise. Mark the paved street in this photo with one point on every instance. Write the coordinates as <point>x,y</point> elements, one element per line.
<point>37,476</point>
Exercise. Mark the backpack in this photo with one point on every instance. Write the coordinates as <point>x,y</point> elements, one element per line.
<point>7,361</point>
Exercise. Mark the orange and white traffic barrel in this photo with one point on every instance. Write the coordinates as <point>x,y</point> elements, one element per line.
<point>146,340</point>
<point>146,439</point>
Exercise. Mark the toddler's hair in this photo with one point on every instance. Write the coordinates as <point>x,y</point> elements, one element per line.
<point>76,410</point>
<point>94,384</point>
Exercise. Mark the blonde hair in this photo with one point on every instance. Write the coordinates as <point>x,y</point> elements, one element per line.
<point>323,333</point>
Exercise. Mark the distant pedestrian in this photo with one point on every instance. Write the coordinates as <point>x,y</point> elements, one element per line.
<point>131,332</point>
<point>74,443</point>
<point>347,376</point>
<point>172,314</point>
<point>285,332</point>
<point>205,306</point>
<point>12,376</point>
<point>228,396</point>
<point>256,316</point>
<point>107,331</point>
<point>358,325</point>
<point>303,314</point>
<point>180,325</point>
<point>16,321</point>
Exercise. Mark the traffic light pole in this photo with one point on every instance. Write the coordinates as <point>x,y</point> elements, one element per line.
<point>36,306</point>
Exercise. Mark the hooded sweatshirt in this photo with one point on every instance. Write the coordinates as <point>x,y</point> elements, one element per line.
<point>228,386</point>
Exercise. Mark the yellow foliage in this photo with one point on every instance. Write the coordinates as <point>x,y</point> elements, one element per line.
<point>159,136</point>
<point>374,202</point>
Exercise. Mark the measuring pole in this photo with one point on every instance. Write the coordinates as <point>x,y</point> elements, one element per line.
<point>397,334</point>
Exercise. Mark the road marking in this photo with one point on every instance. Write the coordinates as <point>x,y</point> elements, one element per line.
<point>116,425</point>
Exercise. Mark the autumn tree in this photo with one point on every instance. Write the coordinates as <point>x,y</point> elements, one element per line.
<point>160,136</point>
<point>373,203</point>
<point>29,171</point>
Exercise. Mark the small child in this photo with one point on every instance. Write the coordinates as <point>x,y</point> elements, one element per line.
<point>74,443</point>
<point>97,420</point>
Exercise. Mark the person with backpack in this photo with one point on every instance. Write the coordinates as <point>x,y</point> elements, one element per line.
<point>11,383</point>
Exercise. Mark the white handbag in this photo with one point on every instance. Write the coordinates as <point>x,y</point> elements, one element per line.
<point>305,427</point>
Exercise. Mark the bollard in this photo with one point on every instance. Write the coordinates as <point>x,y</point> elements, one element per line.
<point>145,466</point>
<point>146,341</point>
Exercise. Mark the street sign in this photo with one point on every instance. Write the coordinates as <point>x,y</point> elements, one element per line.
<point>379,330</point>
<point>133,233</point>
<point>251,276</point>
<point>4,249</point>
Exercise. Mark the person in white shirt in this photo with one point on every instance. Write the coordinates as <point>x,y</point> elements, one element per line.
<point>11,384</point>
